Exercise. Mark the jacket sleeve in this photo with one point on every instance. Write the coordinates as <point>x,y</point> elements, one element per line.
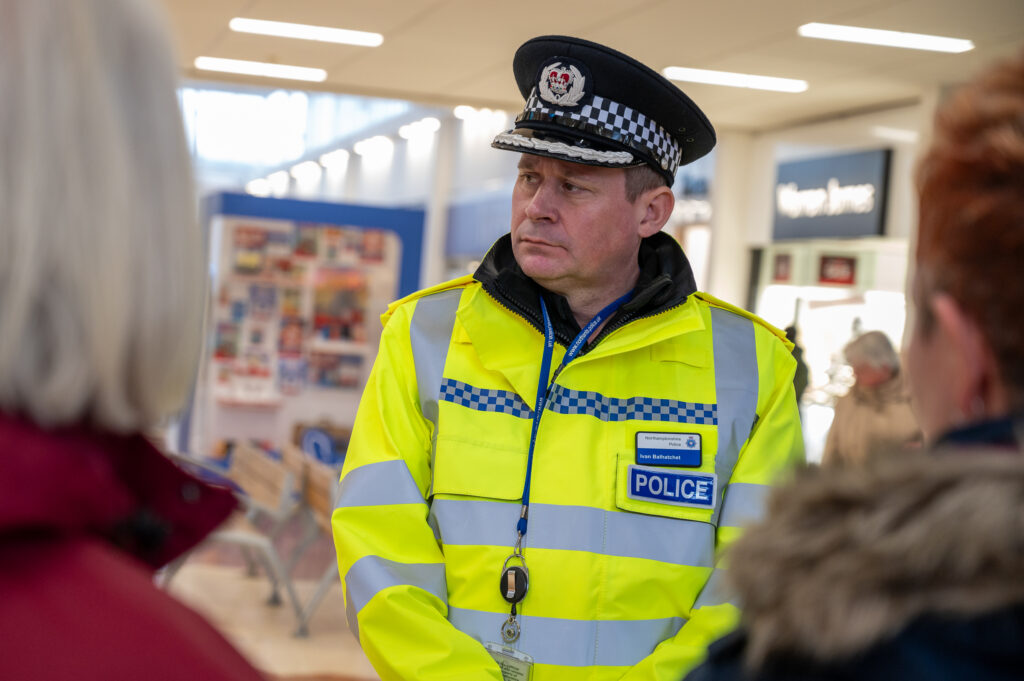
<point>391,565</point>
<point>775,446</point>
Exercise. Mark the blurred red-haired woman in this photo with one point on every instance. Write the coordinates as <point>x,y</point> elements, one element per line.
<point>911,568</point>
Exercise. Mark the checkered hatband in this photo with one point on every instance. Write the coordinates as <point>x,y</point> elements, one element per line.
<point>613,121</point>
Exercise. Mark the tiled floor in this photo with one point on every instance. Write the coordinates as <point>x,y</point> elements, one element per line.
<point>236,604</point>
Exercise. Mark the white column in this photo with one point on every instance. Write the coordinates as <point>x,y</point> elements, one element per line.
<point>435,232</point>
<point>729,261</point>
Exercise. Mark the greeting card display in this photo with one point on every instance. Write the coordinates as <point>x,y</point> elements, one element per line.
<point>250,249</point>
<point>291,312</point>
<point>339,305</point>
<point>335,371</point>
<point>293,317</point>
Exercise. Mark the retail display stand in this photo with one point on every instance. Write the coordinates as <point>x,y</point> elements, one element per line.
<point>297,288</point>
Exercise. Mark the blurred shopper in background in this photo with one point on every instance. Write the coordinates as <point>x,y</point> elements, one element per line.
<point>101,300</point>
<point>875,415</point>
<point>800,377</point>
<point>912,568</point>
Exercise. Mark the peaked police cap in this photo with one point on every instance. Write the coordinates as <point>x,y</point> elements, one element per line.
<point>587,103</point>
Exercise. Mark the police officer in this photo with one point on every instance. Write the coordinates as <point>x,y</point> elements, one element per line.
<point>549,452</point>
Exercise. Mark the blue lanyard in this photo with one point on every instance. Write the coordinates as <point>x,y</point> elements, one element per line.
<point>543,387</point>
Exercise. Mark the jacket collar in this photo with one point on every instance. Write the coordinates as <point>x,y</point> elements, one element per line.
<point>849,557</point>
<point>1007,431</point>
<point>76,480</point>
<point>666,280</point>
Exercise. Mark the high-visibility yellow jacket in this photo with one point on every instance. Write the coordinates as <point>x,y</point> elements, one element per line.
<point>623,580</point>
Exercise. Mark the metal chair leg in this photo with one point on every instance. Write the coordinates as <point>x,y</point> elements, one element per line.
<point>329,578</point>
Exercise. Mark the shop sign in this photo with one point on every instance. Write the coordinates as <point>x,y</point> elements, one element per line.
<point>782,268</point>
<point>837,269</point>
<point>832,197</point>
<point>691,211</point>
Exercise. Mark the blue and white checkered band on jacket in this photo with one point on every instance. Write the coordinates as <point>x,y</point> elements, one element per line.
<point>612,120</point>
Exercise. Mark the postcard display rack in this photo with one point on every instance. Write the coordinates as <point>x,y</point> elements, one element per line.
<point>297,289</point>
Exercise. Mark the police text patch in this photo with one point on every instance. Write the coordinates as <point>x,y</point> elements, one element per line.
<point>668,449</point>
<point>672,487</point>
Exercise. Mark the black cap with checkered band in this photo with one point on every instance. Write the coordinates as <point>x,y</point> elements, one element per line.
<point>590,104</point>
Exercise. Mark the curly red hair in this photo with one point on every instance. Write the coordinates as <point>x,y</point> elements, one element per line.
<point>971,213</point>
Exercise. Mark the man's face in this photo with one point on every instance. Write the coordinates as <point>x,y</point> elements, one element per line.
<point>572,226</point>
<point>868,376</point>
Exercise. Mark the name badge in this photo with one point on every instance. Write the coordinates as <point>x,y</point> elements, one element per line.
<point>668,449</point>
<point>514,665</point>
<point>661,486</point>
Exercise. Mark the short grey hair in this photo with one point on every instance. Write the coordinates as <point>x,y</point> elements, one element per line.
<point>102,270</point>
<point>872,349</point>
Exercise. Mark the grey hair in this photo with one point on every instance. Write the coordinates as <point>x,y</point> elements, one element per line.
<point>873,349</point>
<point>102,274</point>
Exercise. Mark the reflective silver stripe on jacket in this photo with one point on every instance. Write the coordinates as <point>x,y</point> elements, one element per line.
<point>430,333</point>
<point>574,643</point>
<point>736,383</point>
<point>465,522</point>
<point>370,575</point>
<point>744,504</point>
<point>383,483</point>
<point>716,591</point>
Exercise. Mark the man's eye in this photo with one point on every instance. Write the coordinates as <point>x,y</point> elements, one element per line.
<point>570,187</point>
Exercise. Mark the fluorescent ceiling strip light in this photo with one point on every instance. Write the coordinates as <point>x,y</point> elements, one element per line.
<point>257,68</point>
<point>325,34</point>
<point>734,79</point>
<point>874,36</point>
<point>895,134</point>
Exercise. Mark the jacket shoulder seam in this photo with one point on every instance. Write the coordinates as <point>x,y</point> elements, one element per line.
<point>711,300</point>
<point>450,285</point>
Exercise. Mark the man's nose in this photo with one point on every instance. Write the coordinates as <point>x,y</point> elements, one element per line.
<point>542,205</point>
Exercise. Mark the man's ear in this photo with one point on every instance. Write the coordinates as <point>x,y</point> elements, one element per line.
<point>976,374</point>
<point>657,205</point>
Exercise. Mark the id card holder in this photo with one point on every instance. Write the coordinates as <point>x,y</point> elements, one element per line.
<point>515,665</point>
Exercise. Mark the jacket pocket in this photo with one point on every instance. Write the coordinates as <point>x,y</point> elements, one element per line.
<point>478,468</point>
<point>666,491</point>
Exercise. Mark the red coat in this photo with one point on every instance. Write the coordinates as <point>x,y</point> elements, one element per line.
<point>85,518</point>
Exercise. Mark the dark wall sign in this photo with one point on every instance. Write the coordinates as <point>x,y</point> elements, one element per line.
<point>832,197</point>
<point>837,269</point>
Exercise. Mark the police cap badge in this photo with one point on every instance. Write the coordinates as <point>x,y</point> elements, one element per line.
<point>590,104</point>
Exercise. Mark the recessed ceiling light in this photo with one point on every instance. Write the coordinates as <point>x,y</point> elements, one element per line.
<point>374,146</point>
<point>734,79</point>
<point>325,34</point>
<point>258,187</point>
<point>334,160</point>
<point>425,127</point>
<point>307,171</point>
<point>257,68</point>
<point>874,36</point>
